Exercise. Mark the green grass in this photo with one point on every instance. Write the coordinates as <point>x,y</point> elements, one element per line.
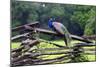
<point>15,44</point>
<point>91,57</point>
<point>45,45</point>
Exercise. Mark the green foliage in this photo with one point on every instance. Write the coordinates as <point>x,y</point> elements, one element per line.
<point>77,18</point>
<point>90,28</point>
<point>57,11</point>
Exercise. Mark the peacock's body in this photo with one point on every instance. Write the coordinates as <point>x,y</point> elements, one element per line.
<point>61,29</point>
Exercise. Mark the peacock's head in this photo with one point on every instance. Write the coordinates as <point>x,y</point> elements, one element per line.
<point>51,20</point>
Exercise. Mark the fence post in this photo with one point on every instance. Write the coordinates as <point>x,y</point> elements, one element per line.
<point>76,54</point>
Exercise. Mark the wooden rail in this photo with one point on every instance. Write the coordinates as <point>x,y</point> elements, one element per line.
<point>49,32</point>
<point>30,58</point>
<point>34,24</point>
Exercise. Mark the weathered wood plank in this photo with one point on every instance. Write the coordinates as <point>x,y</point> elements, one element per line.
<point>19,36</point>
<point>34,24</point>
<point>54,33</point>
<point>85,44</point>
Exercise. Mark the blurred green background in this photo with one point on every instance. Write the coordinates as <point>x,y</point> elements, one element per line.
<point>78,19</point>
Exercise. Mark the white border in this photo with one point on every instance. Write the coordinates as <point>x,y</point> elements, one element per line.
<point>4,33</point>
<point>82,2</point>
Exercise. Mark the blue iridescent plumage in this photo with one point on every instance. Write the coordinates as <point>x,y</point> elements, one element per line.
<point>50,23</point>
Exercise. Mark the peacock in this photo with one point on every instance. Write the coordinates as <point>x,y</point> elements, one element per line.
<point>61,29</point>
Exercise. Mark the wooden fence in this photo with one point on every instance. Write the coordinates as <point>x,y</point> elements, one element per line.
<point>27,54</point>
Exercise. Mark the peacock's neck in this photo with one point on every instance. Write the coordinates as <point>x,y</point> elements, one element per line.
<point>50,24</point>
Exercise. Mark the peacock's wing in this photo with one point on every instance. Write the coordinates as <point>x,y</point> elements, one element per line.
<point>59,27</point>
